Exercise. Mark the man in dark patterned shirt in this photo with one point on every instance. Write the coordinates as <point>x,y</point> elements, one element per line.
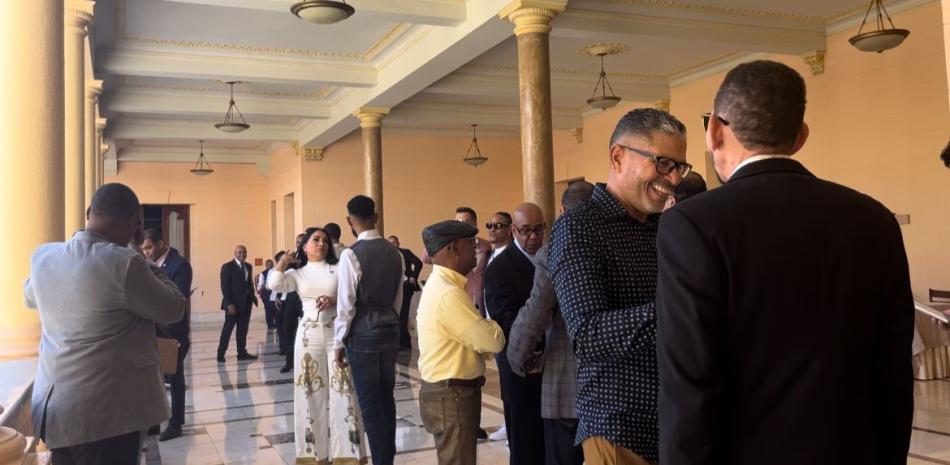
<point>603,262</point>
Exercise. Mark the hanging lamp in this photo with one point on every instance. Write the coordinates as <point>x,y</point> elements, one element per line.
<point>322,11</point>
<point>230,123</point>
<point>604,100</point>
<point>202,167</point>
<point>881,39</point>
<point>474,157</point>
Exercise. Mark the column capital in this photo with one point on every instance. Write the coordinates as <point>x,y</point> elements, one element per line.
<point>532,15</point>
<point>101,124</point>
<point>371,117</point>
<point>78,13</point>
<point>93,89</point>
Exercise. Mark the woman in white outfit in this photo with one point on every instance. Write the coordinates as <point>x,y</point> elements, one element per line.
<point>327,421</point>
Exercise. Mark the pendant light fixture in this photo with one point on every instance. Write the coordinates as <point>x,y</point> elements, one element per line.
<point>473,156</point>
<point>202,167</point>
<point>603,96</point>
<point>322,11</point>
<point>881,39</point>
<point>230,123</point>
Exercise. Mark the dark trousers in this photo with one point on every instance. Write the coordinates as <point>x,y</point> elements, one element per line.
<point>177,382</point>
<point>241,319</point>
<point>271,316</point>
<point>559,448</point>
<point>118,450</point>
<point>452,415</point>
<point>292,312</point>
<point>522,401</point>
<point>374,378</point>
<point>405,340</point>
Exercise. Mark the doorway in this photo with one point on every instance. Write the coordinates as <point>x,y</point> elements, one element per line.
<point>174,221</point>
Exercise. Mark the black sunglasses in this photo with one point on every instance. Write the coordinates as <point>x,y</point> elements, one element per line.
<point>706,117</point>
<point>664,165</point>
<point>491,226</point>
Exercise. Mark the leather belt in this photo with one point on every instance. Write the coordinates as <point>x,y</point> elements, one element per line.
<point>454,382</point>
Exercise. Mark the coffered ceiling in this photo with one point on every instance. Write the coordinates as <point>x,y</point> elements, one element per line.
<point>440,64</point>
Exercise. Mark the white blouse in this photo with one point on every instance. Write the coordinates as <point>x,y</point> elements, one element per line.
<point>315,279</point>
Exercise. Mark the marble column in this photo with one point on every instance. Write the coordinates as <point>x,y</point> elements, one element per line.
<point>371,124</point>
<point>31,147</point>
<point>93,90</point>
<point>78,15</point>
<point>532,19</point>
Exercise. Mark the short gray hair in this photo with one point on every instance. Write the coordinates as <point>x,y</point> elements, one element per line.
<point>644,122</point>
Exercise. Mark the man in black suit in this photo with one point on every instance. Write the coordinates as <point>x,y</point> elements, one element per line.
<point>410,285</point>
<point>238,291</point>
<point>179,271</point>
<point>784,307</point>
<point>507,285</point>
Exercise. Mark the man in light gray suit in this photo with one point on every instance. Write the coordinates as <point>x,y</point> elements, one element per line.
<point>99,384</point>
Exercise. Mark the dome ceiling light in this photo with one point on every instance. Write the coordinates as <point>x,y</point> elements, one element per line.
<point>882,38</point>
<point>202,167</point>
<point>322,11</point>
<point>230,123</point>
<point>473,156</point>
<point>603,96</point>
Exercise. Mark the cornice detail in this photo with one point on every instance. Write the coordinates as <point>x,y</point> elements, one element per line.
<point>719,10</point>
<point>816,60</point>
<point>575,72</point>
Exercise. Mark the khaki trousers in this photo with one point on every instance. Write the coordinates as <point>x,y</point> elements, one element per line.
<point>599,451</point>
<point>452,416</point>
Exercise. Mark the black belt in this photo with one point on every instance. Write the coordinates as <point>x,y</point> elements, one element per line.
<point>454,382</point>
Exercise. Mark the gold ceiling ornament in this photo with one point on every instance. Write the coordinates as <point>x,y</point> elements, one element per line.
<point>663,104</point>
<point>578,134</point>
<point>816,60</point>
<point>230,123</point>
<point>322,11</point>
<point>473,156</point>
<point>313,153</point>
<point>202,167</point>
<point>882,38</point>
<point>606,98</point>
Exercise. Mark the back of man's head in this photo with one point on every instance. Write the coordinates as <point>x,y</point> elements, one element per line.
<point>333,230</point>
<point>764,104</point>
<point>691,185</point>
<point>576,193</point>
<point>361,207</point>
<point>154,235</point>
<point>643,122</point>
<point>945,155</point>
<point>114,201</point>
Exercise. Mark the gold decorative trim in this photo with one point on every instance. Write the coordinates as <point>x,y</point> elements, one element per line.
<point>322,94</point>
<point>578,134</point>
<point>663,104</point>
<point>372,52</point>
<point>313,153</point>
<point>816,60</point>
<point>719,10</point>
<point>575,72</point>
<point>487,106</point>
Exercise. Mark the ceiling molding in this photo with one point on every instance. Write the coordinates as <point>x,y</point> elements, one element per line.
<point>140,101</point>
<point>188,155</point>
<point>718,10</point>
<point>555,72</point>
<point>462,115</point>
<point>144,129</point>
<point>718,65</point>
<point>222,90</point>
<point>483,132</point>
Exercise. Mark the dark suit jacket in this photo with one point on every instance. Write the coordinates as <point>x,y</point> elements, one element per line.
<point>413,265</point>
<point>179,270</point>
<point>507,285</point>
<point>784,319</point>
<point>235,288</point>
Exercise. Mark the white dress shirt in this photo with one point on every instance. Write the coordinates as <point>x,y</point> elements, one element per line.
<point>350,274</point>
<point>753,159</point>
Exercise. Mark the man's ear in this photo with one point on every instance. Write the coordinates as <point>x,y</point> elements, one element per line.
<point>800,139</point>
<point>616,158</point>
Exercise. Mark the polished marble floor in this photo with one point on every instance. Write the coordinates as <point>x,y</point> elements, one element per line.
<point>242,412</point>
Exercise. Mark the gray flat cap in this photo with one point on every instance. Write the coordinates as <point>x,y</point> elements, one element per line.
<point>439,235</point>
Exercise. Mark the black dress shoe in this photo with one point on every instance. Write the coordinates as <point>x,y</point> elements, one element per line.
<point>153,430</point>
<point>286,369</point>
<point>247,356</point>
<point>221,358</point>
<point>171,432</point>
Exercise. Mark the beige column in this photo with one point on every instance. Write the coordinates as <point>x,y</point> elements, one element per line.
<point>78,15</point>
<point>532,20</point>
<point>945,7</point>
<point>371,123</point>
<point>93,89</point>
<point>31,147</point>
<point>100,129</point>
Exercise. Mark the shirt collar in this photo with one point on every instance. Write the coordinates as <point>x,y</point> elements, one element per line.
<point>369,234</point>
<point>240,264</point>
<point>453,277</point>
<point>161,260</point>
<point>606,201</point>
<point>753,159</point>
<point>525,252</point>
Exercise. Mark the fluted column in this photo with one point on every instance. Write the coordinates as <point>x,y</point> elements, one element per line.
<point>31,149</point>
<point>532,19</point>
<point>100,129</point>
<point>78,15</point>
<point>93,89</point>
<point>371,124</point>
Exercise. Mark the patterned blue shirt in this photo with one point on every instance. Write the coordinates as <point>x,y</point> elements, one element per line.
<point>604,267</point>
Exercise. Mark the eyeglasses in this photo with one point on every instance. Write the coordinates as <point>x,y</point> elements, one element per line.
<point>527,231</point>
<point>706,117</point>
<point>491,226</point>
<point>664,165</point>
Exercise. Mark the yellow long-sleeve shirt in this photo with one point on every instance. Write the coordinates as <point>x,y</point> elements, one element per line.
<point>454,340</point>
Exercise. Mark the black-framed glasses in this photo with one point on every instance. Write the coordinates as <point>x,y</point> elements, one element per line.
<point>489,226</point>
<point>664,165</point>
<point>528,230</point>
<point>706,117</point>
